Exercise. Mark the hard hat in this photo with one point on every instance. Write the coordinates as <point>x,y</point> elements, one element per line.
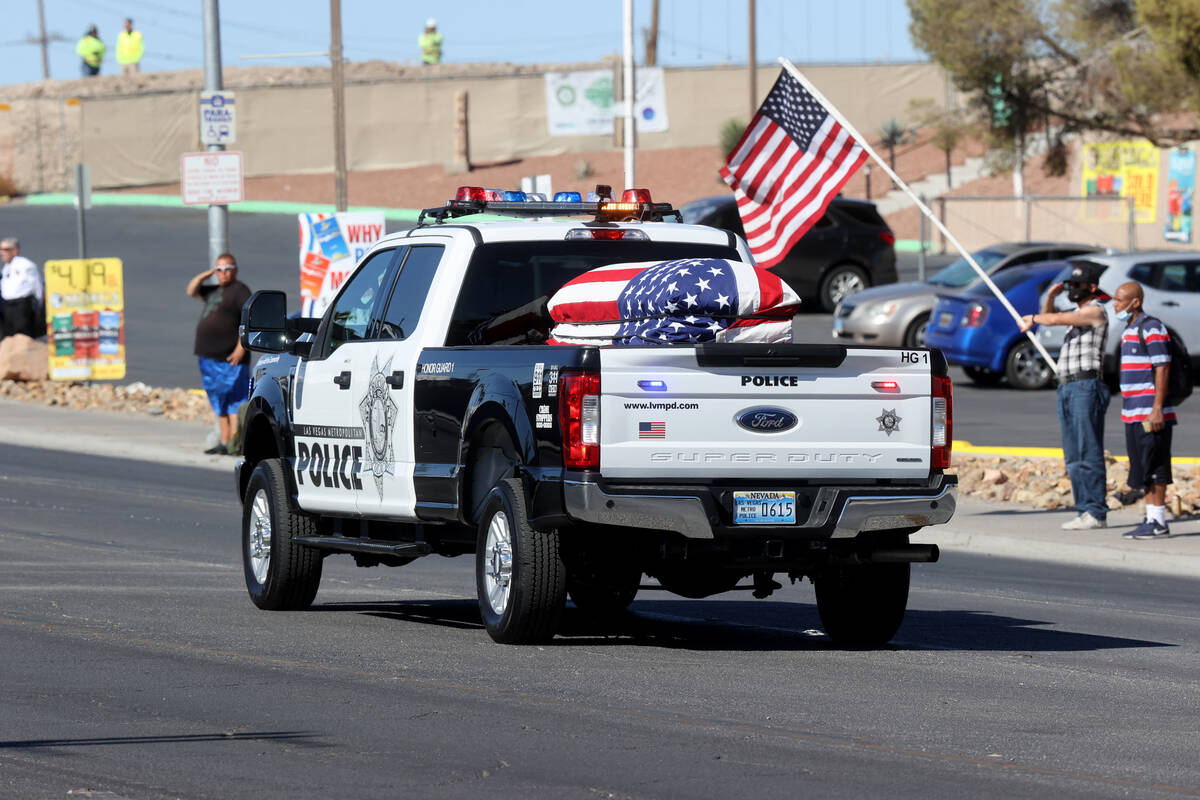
<point>431,23</point>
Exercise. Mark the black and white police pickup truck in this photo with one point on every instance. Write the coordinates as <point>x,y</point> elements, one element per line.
<point>423,414</point>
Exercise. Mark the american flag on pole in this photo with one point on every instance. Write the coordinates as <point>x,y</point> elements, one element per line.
<point>790,163</point>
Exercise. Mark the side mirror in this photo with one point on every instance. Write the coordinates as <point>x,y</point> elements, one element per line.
<point>264,322</point>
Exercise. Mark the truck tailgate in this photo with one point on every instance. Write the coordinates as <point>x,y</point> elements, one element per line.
<point>682,412</point>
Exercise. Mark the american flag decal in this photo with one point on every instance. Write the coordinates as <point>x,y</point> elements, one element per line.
<point>652,430</point>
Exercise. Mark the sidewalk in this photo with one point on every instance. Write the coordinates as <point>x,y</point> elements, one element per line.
<point>994,529</point>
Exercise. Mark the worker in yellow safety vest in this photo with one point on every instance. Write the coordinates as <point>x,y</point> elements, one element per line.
<point>91,50</point>
<point>130,49</point>
<point>430,43</point>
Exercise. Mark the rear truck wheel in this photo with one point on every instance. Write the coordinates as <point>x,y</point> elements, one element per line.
<point>983,377</point>
<point>862,605</point>
<point>1025,368</point>
<point>914,335</point>
<point>839,283</point>
<point>519,573</point>
<point>281,575</point>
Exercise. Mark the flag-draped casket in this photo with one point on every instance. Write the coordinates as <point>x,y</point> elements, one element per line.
<point>673,302</point>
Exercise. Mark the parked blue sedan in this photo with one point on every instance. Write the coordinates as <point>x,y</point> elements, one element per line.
<point>975,331</point>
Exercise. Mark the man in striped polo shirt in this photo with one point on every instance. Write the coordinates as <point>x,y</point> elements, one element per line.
<point>1082,394</point>
<point>1145,410</point>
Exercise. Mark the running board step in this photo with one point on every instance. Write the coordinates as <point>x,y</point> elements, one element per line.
<point>345,544</point>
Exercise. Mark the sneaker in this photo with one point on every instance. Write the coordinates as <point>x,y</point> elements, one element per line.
<point>1129,496</point>
<point>217,450</point>
<point>1084,522</point>
<point>1149,530</point>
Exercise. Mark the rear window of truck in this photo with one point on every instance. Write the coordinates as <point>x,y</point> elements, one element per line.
<point>508,284</point>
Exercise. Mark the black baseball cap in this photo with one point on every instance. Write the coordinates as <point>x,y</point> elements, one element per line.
<point>1085,272</point>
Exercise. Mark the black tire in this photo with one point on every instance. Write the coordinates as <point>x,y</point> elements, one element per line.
<point>914,335</point>
<point>983,377</point>
<point>1025,369</point>
<point>289,576</point>
<point>862,605</point>
<point>839,283</point>
<point>521,601</point>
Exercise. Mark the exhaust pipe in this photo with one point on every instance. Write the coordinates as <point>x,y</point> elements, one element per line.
<point>903,554</point>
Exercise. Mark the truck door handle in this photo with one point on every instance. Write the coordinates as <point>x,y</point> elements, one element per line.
<point>1170,303</point>
<point>395,380</point>
<point>343,379</point>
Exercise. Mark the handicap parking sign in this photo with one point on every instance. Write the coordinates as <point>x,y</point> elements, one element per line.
<point>218,118</point>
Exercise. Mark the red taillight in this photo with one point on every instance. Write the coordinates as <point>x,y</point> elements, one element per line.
<point>943,422</point>
<point>470,193</point>
<point>635,196</point>
<point>609,233</point>
<point>887,236</point>
<point>975,316</point>
<point>579,415</point>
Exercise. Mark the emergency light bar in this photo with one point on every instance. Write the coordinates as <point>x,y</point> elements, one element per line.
<point>635,205</point>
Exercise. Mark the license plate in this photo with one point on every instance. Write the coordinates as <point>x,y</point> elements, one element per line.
<point>945,318</point>
<point>838,324</point>
<point>764,508</point>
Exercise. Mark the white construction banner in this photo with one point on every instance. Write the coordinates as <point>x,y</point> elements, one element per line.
<point>582,103</point>
<point>331,245</point>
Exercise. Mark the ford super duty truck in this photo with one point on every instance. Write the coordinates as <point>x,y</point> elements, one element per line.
<point>424,413</point>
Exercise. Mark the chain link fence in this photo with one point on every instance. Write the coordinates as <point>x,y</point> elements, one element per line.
<point>979,221</point>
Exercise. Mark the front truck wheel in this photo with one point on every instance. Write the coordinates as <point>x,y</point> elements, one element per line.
<point>519,573</point>
<point>863,604</point>
<point>281,575</point>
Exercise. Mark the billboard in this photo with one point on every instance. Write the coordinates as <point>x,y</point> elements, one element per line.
<point>1128,169</point>
<point>330,247</point>
<point>582,103</point>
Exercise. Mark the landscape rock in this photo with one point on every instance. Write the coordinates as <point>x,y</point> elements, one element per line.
<point>23,359</point>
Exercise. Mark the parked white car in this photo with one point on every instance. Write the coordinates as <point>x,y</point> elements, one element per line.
<point>1171,282</point>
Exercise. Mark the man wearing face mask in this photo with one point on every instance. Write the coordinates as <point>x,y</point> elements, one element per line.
<point>1147,413</point>
<point>1082,394</point>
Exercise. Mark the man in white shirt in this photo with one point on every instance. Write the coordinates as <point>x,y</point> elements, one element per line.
<point>20,291</point>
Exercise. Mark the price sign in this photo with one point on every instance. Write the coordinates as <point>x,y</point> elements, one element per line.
<point>85,316</point>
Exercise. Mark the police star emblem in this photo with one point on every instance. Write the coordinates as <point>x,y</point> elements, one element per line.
<point>378,411</point>
<point>888,421</point>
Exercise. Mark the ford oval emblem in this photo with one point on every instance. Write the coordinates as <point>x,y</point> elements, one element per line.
<point>767,420</point>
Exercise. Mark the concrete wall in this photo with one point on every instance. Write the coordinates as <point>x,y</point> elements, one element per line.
<point>134,140</point>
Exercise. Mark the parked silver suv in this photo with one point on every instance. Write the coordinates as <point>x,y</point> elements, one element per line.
<point>1171,282</point>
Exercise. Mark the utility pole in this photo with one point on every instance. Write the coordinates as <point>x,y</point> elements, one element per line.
<point>218,216</point>
<point>44,41</point>
<point>651,58</point>
<point>752,60</point>
<point>630,89</point>
<point>339,104</point>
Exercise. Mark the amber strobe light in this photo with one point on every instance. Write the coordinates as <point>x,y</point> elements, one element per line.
<point>579,415</point>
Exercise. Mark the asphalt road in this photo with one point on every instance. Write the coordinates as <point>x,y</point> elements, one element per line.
<point>133,663</point>
<point>163,248</point>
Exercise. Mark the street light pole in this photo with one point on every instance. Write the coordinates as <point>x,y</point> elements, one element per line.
<point>339,104</point>
<point>630,90</point>
<point>752,62</point>
<point>218,216</point>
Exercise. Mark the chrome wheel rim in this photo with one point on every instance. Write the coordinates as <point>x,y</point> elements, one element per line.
<point>845,284</point>
<point>497,563</point>
<point>919,334</point>
<point>1029,367</point>
<point>260,536</point>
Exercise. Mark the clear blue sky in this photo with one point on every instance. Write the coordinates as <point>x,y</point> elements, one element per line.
<point>519,31</point>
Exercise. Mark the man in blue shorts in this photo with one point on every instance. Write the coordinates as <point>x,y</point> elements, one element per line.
<point>1147,413</point>
<point>224,363</point>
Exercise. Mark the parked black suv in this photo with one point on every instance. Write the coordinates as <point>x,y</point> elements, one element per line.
<point>847,250</point>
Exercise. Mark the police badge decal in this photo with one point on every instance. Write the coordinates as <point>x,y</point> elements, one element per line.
<point>889,423</point>
<point>378,411</point>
